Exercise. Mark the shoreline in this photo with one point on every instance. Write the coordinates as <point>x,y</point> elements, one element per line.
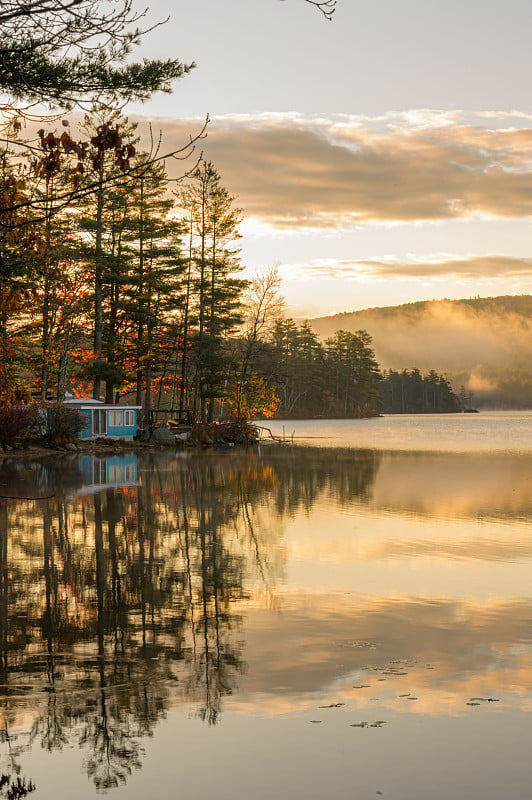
<point>114,447</point>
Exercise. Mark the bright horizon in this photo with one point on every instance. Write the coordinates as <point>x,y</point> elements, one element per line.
<point>379,159</point>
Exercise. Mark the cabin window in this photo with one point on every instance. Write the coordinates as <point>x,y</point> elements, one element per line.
<point>130,470</point>
<point>115,419</point>
<point>116,473</point>
<point>100,470</point>
<point>129,418</point>
<point>99,423</point>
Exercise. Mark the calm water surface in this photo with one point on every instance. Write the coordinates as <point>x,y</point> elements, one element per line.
<point>486,431</point>
<point>349,619</point>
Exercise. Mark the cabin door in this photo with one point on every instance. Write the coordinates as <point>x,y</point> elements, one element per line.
<point>99,423</point>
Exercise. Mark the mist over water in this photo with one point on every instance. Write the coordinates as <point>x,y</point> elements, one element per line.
<point>483,344</point>
<point>485,432</point>
<point>308,621</point>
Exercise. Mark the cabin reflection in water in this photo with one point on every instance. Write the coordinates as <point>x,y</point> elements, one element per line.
<point>106,472</point>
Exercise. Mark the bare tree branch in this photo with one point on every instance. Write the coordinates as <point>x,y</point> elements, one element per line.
<point>43,208</point>
<point>327,7</point>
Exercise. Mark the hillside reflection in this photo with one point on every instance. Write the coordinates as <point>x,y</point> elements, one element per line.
<point>125,584</point>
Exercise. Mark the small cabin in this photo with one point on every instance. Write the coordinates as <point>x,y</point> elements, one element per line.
<point>109,421</point>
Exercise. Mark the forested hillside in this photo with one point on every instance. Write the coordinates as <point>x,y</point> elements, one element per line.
<point>481,344</point>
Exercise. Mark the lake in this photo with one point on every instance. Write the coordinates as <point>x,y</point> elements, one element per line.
<point>348,616</point>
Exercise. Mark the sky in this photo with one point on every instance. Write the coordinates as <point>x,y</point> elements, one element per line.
<point>381,158</point>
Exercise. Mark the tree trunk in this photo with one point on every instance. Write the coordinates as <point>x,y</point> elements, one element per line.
<point>98,284</point>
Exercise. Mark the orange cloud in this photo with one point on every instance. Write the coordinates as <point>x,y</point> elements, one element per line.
<point>293,172</point>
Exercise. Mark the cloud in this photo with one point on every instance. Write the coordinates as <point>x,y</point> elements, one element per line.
<point>491,267</point>
<point>471,267</point>
<point>289,171</point>
<point>289,666</point>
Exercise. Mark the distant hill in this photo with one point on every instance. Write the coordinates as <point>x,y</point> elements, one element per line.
<point>483,344</point>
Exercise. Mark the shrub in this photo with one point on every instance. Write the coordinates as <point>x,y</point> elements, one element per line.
<point>65,424</point>
<point>237,431</point>
<point>20,423</point>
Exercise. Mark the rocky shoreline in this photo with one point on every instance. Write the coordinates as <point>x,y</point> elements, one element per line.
<point>201,435</point>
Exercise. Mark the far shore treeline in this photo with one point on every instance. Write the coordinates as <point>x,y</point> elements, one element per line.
<point>130,292</point>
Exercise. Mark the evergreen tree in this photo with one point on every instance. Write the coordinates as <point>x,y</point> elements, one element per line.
<point>299,358</point>
<point>409,392</point>
<point>214,230</point>
<point>354,372</point>
<point>74,53</point>
<point>111,149</point>
<point>156,295</point>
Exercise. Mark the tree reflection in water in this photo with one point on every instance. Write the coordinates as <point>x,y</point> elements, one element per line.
<point>117,602</point>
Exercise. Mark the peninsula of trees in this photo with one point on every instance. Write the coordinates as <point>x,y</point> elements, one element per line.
<point>117,282</point>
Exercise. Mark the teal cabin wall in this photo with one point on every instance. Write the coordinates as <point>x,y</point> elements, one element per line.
<point>113,430</point>
<point>86,433</point>
<point>110,422</point>
<point>123,430</point>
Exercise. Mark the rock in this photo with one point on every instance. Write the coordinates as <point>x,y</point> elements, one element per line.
<point>72,447</point>
<point>163,436</point>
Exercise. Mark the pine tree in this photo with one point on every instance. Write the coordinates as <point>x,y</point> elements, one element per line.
<point>111,150</point>
<point>76,53</point>
<point>214,231</point>
<point>354,373</point>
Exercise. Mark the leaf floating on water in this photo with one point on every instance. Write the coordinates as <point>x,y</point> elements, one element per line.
<point>472,704</point>
<point>411,698</point>
<point>377,724</point>
<point>362,686</point>
<point>359,645</point>
<point>405,695</point>
<point>333,705</point>
<point>316,721</point>
<point>484,699</point>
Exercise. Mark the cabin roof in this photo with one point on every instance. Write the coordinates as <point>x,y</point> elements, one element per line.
<point>90,402</point>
